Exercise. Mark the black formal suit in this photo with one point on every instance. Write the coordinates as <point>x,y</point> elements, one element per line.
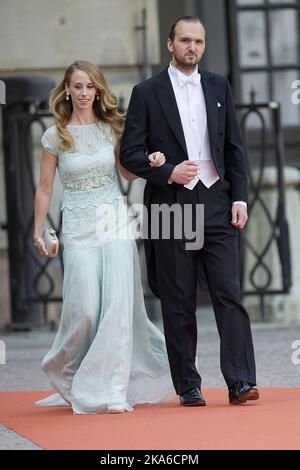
<point>153,124</point>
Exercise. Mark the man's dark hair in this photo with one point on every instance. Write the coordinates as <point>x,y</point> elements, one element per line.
<point>191,19</point>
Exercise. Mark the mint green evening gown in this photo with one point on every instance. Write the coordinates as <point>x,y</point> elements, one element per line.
<point>106,351</point>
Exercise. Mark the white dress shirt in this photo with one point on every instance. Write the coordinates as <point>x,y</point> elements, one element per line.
<point>192,110</point>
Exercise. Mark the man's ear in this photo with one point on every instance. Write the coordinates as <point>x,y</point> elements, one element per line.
<point>170,45</point>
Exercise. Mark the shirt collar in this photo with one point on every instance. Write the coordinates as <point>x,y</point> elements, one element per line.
<point>181,77</point>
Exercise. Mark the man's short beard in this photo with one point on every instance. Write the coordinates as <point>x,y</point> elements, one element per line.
<point>186,65</point>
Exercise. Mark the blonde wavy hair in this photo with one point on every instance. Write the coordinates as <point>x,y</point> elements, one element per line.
<point>105,108</point>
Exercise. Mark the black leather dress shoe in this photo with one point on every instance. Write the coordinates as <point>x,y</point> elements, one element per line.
<point>192,398</point>
<point>241,392</point>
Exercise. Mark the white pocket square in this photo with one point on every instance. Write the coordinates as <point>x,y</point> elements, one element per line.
<point>219,105</point>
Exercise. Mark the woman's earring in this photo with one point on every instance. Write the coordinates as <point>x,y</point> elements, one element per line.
<point>67,97</point>
<point>98,97</point>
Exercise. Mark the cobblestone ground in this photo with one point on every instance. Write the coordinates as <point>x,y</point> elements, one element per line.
<point>273,348</point>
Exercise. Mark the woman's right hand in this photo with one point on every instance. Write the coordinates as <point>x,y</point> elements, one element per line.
<point>39,243</point>
<point>157,159</point>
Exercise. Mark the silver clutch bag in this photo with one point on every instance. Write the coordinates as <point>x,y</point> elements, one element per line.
<point>51,242</point>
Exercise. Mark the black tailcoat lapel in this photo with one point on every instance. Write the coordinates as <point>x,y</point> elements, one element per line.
<point>167,100</point>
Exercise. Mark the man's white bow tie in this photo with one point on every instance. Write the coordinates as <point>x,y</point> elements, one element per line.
<point>192,79</point>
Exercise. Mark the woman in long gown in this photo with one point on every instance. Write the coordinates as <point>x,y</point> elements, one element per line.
<point>107,356</point>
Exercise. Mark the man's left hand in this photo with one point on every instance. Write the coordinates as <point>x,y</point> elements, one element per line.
<point>239,216</point>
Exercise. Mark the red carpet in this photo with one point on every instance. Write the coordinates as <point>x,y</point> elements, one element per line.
<point>270,423</point>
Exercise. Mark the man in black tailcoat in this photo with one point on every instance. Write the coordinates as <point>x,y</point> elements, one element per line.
<point>188,114</point>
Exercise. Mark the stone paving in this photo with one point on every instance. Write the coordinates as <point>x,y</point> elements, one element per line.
<point>273,348</point>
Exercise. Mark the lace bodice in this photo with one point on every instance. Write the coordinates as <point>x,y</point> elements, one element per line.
<point>89,179</point>
<point>92,164</point>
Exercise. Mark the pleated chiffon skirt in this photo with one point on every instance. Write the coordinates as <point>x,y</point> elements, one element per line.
<point>106,351</point>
